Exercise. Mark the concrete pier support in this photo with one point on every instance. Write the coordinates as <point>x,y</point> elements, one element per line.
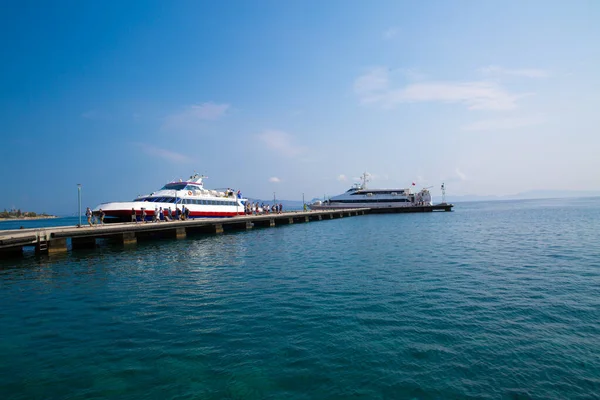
<point>57,246</point>
<point>249,225</point>
<point>271,223</point>
<point>127,239</point>
<point>180,233</point>
<point>83,243</point>
<point>218,228</point>
<point>306,219</point>
<point>290,220</point>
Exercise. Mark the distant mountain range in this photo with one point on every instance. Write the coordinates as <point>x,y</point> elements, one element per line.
<point>529,195</point>
<point>287,204</point>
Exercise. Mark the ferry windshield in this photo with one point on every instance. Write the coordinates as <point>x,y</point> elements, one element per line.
<point>174,186</point>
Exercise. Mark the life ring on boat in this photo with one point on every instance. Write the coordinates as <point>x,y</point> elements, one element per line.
<point>189,192</point>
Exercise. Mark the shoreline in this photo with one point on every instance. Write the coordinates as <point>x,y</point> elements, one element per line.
<point>29,218</point>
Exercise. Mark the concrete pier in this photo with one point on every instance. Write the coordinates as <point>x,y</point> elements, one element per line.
<point>54,240</point>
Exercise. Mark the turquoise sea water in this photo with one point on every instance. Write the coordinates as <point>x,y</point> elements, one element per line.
<point>494,300</point>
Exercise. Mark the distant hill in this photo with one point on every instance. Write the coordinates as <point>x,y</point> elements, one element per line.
<point>287,204</point>
<point>528,195</point>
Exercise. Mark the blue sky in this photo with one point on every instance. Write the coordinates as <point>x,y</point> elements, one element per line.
<point>296,97</point>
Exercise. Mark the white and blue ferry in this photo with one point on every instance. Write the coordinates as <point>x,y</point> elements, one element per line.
<point>360,196</point>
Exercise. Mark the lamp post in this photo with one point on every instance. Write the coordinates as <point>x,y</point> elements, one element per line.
<point>79,202</point>
<point>303,203</point>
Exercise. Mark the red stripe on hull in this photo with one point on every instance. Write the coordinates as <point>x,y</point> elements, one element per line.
<point>150,213</point>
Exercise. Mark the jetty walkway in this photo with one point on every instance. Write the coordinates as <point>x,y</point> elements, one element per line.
<point>53,240</point>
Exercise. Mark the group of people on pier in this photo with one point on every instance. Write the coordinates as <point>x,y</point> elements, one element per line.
<point>160,214</point>
<point>94,218</point>
<point>256,209</point>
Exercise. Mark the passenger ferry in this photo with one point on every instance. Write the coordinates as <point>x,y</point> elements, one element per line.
<point>200,202</point>
<point>359,196</point>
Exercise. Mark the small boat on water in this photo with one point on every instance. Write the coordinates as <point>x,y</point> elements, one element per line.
<point>191,194</point>
<point>359,196</point>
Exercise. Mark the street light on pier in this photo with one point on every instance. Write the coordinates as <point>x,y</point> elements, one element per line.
<point>79,202</point>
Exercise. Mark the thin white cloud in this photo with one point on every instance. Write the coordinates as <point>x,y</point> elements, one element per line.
<point>505,123</point>
<point>460,174</point>
<point>281,142</point>
<point>274,179</point>
<point>168,155</point>
<point>374,88</point>
<point>342,178</point>
<point>375,81</point>
<point>192,116</point>
<point>495,70</point>
<point>391,33</point>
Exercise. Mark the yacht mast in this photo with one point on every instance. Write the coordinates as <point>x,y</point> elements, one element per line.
<point>365,178</point>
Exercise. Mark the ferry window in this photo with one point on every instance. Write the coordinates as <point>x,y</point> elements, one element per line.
<point>174,186</point>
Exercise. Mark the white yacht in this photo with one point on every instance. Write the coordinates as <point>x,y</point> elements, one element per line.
<point>359,196</point>
<point>200,202</point>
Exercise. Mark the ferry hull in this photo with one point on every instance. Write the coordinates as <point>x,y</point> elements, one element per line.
<point>122,212</point>
<point>339,206</point>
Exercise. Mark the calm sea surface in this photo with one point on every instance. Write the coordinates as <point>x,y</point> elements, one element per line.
<point>494,300</point>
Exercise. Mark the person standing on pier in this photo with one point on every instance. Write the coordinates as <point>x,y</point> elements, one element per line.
<point>88,214</point>
<point>160,214</point>
<point>155,216</point>
<point>143,215</point>
<point>102,215</point>
<point>133,216</point>
<point>280,208</point>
